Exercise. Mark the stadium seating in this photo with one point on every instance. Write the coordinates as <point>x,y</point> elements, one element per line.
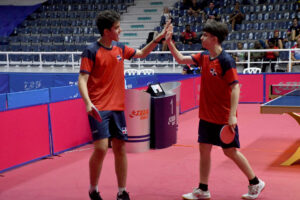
<point>69,25</point>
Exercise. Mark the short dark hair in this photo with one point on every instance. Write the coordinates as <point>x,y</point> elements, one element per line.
<point>217,29</point>
<point>106,19</point>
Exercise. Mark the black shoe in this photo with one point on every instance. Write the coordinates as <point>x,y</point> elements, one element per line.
<point>95,195</point>
<point>123,196</point>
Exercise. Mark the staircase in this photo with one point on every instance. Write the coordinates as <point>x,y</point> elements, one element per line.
<point>141,19</point>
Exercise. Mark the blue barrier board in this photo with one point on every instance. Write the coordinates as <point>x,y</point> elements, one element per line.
<point>65,80</point>
<point>4,86</point>
<point>24,82</point>
<point>64,93</point>
<point>27,98</point>
<point>2,102</point>
<point>144,80</point>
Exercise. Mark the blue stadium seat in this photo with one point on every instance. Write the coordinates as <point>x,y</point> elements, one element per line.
<point>253,17</point>
<point>251,45</point>
<point>260,16</point>
<point>284,55</point>
<point>257,8</point>
<point>249,26</point>
<point>272,16</point>
<point>247,17</point>
<point>261,26</point>
<point>151,57</point>
<point>179,47</point>
<point>265,35</point>
<point>2,57</point>
<point>257,35</point>
<point>250,36</point>
<point>286,15</point>
<point>243,36</point>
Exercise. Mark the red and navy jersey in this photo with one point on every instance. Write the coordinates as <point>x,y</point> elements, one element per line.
<point>217,76</point>
<point>105,67</point>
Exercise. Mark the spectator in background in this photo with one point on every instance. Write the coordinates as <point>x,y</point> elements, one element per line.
<point>295,54</point>
<point>195,8</point>
<point>188,36</point>
<point>278,41</point>
<point>237,16</point>
<point>240,57</point>
<point>165,16</point>
<point>270,56</point>
<point>257,56</point>
<point>185,4</point>
<point>190,69</point>
<point>294,31</point>
<point>211,12</point>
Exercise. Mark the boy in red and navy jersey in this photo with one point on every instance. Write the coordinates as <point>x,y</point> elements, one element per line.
<point>219,96</point>
<point>101,85</point>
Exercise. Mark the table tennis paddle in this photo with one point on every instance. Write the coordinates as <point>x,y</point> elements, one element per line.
<point>95,113</point>
<point>226,134</point>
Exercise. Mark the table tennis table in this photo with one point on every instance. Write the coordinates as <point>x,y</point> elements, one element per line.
<point>290,104</point>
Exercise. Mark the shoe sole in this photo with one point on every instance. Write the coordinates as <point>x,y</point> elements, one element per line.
<point>259,193</point>
<point>197,199</point>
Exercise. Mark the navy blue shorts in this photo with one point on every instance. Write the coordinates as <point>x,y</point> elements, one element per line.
<point>113,125</point>
<point>210,133</point>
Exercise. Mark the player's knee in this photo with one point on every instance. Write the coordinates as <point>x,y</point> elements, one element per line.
<point>100,149</point>
<point>119,148</point>
<point>229,152</point>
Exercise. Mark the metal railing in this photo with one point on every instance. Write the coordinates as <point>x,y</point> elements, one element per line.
<point>160,60</point>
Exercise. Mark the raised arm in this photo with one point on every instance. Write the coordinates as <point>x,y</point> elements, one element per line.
<point>150,46</point>
<point>181,59</point>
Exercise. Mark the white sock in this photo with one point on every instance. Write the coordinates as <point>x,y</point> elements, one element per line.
<point>93,188</point>
<point>121,190</point>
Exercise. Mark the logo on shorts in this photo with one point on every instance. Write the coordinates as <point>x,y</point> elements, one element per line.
<point>119,57</point>
<point>124,131</point>
<point>142,114</point>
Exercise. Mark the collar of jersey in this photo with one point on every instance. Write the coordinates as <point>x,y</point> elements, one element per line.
<point>105,46</point>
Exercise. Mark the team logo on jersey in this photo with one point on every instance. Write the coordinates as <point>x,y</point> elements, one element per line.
<point>124,131</point>
<point>213,72</point>
<point>119,57</point>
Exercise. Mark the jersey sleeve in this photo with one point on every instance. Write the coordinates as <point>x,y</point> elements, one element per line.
<point>230,74</point>
<point>197,58</point>
<point>129,52</point>
<point>87,61</point>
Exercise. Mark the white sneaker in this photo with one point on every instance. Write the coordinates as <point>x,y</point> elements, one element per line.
<point>197,194</point>
<point>254,190</point>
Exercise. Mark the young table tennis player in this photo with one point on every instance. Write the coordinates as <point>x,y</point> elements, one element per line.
<point>101,84</point>
<point>219,97</point>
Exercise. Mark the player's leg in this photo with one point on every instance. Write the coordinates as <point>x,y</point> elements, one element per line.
<point>255,185</point>
<point>96,160</point>
<point>100,134</point>
<point>119,134</point>
<point>205,162</point>
<point>202,192</point>
<point>120,161</point>
<point>240,160</point>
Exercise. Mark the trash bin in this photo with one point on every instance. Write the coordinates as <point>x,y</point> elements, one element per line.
<point>163,121</point>
<point>137,115</point>
<point>173,88</point>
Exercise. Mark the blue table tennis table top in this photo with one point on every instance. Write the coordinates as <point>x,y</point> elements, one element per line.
<point>289,102</point>
<point>290,99</point>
